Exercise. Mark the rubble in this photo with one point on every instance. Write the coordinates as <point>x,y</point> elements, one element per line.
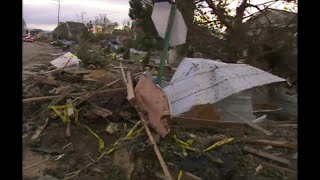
<point>133,137</point>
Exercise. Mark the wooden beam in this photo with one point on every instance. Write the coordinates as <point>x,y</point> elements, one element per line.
<point>267,156</point>
<point>130,88</point>
<point>273,143</point>
<point>254,126</point>
<point>73,94</point>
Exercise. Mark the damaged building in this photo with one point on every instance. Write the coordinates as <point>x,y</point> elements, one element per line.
<point>69,31</point>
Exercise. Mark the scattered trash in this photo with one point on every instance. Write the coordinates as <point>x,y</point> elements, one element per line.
<point>112,128</point>
<point>260,119</point>
<point>205,114</point>
<point>219,143</point>
<point>185,145</point>
<point>39,130</point>
<point>57,158</point>
<point>66,112</point>
<point>66,60</point>
<point>258,169</point>
<point>137,52</point>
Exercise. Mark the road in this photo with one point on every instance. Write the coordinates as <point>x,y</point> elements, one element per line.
<point>37,52</point>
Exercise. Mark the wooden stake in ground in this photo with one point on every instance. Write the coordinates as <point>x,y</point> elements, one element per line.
<point>255,126</point>
<point>156,149</point>
<point>131,97</point>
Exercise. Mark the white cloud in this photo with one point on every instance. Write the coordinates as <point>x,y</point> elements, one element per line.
<point>44,12</point>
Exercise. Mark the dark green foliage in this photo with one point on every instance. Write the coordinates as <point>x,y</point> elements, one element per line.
<point>126,54</point>
<point>89,57</point>
<point>148,39</point>
<point>146,60</point>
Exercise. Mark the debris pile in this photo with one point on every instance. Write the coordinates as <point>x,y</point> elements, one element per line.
<point>94,124</point>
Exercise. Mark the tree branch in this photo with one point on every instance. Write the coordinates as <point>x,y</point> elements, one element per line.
<point>240,13</point>
<point>261,10</point>
<point>272,36</point>
<point>221,17</point>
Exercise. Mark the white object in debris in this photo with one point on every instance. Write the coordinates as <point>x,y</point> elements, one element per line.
<point>260,119</point>
<point>137,52</point>
<point>202,81</point>
<point>66,60</point>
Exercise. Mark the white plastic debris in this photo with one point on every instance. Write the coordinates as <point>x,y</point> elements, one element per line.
<point>137,52</point>
<point>201,81</point>
<point>66,60</point>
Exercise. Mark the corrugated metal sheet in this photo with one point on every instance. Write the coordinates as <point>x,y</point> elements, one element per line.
<point>202,81</point>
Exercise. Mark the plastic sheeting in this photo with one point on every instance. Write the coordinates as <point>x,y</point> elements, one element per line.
<point>66,60</point>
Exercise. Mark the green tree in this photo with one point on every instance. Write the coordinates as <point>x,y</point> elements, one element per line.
<point>140,13</point>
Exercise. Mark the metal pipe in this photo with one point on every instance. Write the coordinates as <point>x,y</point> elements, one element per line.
<point>164,54</point>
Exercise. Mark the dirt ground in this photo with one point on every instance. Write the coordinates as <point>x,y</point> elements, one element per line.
<point>33,51</point>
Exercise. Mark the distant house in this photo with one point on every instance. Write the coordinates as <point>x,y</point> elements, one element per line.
<point>35,32</point>
<point>69,31</point>
<point>122,36</point>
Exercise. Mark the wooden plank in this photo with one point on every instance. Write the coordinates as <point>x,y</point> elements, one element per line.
<point>79,72</point>
<point>260,119</point>
<point>282,168</point>
<point>273,143</point>
<point>156,149</point>
<point>130,88</point>
<point>73,94</point>
<point>268,156</point>
<point>255,126</point>
<point>123,74</point>
<point>281,125</point>
<point>198,122</point>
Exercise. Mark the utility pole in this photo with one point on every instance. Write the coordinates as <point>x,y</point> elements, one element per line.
<point>58,11</point>
<point>77,16</point>
<point>82,15</point>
